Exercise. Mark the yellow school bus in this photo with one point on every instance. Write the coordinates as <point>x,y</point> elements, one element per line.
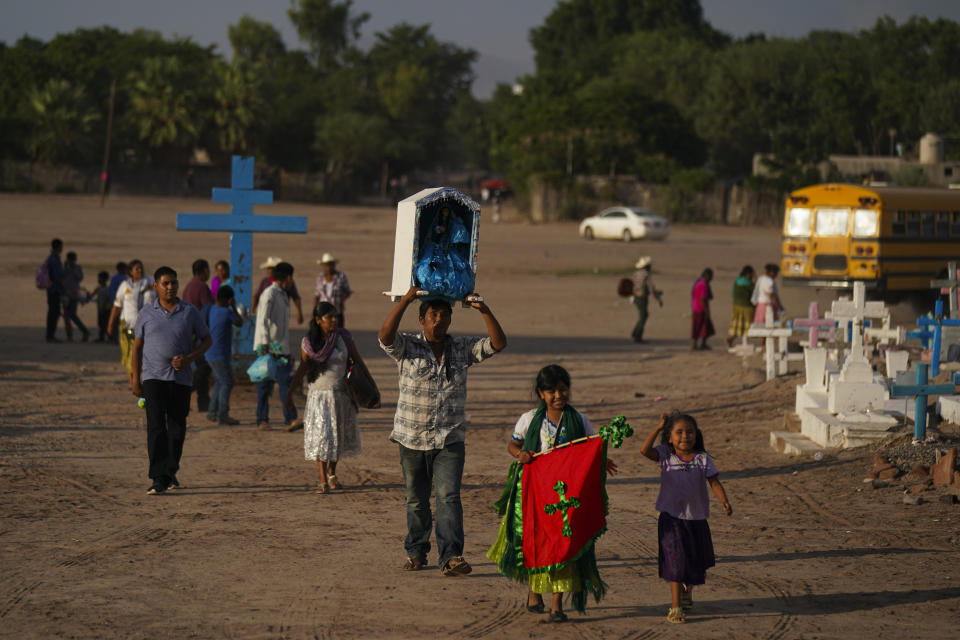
<point>894,239</point>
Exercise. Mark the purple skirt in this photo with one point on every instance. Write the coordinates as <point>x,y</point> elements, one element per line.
<point>702,326</point>
<point>686,549</point>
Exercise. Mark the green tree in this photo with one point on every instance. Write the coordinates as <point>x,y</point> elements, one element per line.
<point>329,28</point>
<point>59,117</point>
<point>165,111</point>
<point>256,42</point>
<point>237,106</point>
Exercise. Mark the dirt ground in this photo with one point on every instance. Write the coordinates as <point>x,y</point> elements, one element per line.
<point>247,549</point>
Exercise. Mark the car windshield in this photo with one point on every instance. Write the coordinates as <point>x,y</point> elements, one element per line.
<point>642,212</point>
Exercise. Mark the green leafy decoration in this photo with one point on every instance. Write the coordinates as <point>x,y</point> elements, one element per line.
<point>616,431</point>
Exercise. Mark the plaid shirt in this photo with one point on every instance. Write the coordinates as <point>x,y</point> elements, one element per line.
<point>430,409</point>
<point>334,291</point>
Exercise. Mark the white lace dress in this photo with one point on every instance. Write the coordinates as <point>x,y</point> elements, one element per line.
<point>330,419</point>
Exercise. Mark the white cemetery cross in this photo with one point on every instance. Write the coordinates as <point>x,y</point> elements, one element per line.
<point>846,311</point>
<point>885,333</point>
<point>950,284</point>
<point>775,344</point>
<point>417,219</point>
<point>855,390</point>
<point>814,321</point>
<point>743,349</point>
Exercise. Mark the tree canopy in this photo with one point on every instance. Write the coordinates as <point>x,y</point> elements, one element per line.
<point>640,87</point>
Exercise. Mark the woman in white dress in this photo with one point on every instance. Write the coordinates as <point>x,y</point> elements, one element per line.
<point>330,417</point>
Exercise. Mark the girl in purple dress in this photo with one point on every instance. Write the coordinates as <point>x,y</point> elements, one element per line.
<point>685,545</point>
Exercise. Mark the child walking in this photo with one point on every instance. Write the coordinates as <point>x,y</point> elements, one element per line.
<point>104,304</point>
<point>685,545</point>
<point>552,423</point>
<point>222,317</point>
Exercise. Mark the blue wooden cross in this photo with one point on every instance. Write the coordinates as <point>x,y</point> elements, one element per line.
<point>242,223</point>
<point>921,390</point>
<point>932,328</point>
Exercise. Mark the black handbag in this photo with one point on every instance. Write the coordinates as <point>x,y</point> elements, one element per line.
<point>362,388</point>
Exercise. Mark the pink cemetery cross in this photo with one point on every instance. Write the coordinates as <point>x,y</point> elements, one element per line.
<point>814,322</point>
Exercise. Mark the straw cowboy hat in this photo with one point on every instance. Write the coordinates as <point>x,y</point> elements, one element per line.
<point>643,262</point>
<point>327,257</point>
<point>271,262</point>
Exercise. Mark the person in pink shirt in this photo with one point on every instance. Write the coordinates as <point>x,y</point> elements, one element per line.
<point>700,297</point>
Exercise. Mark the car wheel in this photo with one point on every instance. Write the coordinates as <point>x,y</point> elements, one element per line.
<point>588,233</point>
<point>627,236</point>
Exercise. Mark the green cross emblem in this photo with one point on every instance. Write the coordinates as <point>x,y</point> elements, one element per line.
<point>562,506</point>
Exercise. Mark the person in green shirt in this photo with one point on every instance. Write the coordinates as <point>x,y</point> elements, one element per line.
<point>742,307</point>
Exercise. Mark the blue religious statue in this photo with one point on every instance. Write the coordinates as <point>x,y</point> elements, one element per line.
<point>242,223</point>
<point>444,265</point>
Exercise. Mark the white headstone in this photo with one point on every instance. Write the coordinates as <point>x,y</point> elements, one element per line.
<point>897,362</point>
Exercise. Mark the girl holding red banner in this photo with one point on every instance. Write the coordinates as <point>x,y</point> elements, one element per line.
<point>561,559</point>
<point>685,545</point>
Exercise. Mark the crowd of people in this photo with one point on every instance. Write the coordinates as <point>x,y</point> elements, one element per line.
<point>752,297</point>
<point>171,345</point>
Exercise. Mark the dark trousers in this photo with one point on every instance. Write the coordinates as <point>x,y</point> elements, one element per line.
<point>201,384</point>
<point>103,317</point>
<point>70,317</point>
<point>641,304</point>
<point>441,470</point>
<point>53,312</point>
<point>167,405</point>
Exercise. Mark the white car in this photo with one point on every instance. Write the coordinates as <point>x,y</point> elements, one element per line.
<point>625,223</point>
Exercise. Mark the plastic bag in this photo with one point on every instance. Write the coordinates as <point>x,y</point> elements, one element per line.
<point>263,368</point>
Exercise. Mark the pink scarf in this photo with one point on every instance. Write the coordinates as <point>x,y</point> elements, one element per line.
<point>328,345</point>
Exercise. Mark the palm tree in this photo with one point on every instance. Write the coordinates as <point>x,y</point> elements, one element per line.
<point>61,119</point>
<point>162,107</point>
<point>238,104</point>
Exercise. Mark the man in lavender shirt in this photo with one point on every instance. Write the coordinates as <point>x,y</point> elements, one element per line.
<point>162,353</point>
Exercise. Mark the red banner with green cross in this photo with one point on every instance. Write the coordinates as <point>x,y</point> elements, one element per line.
<point>562,497</point>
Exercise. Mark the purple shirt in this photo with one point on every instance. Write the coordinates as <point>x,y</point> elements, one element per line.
<point>166,334</point>
<point>683,485</point>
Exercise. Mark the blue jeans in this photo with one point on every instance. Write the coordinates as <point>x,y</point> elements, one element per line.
<point>265,389</point>
<point>222,386</point>
<point>443,470</point>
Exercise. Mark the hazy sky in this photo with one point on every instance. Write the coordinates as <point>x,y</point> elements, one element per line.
<point>496,29</point>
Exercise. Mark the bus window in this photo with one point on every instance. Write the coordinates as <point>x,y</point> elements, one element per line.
<point>900,224</point>
<point>913,223</point>
<point>927,224</point>
<point>864,223</point>
<point>943,224</point>
<point>832,222</point>
<point>955,227</point>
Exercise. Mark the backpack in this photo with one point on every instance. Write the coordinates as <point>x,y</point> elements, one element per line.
<point>43,277</point>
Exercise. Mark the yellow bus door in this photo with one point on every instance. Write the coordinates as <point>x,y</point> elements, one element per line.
<point>830,247</point>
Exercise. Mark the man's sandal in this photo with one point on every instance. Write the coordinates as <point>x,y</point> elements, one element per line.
<point>414,564</point>
<point>322,487</point>
<point>332,481</point>
<point>456,567</point>
<point>675,615</point>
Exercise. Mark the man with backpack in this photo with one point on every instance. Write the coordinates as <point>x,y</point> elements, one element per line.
<point>50,277</point>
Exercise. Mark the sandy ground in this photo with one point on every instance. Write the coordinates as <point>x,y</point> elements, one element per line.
<point>248,550</point>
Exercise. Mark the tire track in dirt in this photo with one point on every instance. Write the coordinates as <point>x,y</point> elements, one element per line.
<point>785,622</point>
<point>16,596</point>
<point>495,619</point>
<point>46,476</point>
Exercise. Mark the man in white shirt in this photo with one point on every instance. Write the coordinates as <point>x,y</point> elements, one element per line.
<point>272,335</point>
